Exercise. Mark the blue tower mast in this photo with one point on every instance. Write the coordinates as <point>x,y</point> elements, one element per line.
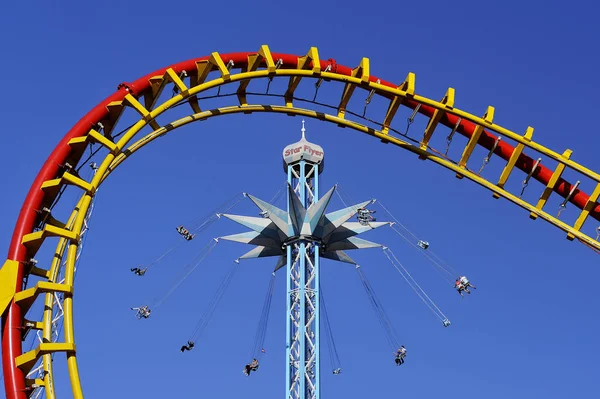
<point>304,163</point>
<point>300,236</point>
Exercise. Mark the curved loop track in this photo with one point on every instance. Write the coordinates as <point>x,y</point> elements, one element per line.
<point>35,223</point>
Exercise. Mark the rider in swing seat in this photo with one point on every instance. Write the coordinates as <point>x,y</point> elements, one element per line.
<point>460,288</point>
<point>143,312</point>
<point>400,355</point>
<point>139,271</point>
<point>188,347</point>
<point>185,233</point>
<point>465,282</point>
<point>251,367</point>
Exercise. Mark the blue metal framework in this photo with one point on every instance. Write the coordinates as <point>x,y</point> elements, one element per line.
<point>302,315</point>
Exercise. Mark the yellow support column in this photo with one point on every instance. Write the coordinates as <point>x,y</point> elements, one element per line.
<point>216,60</point>
<point>551,184</point>
<point>513,160</point>
<point>408,87</point>
<point>303,63</point>
<point>488,118</point>
<point>171,76</point>
<point>27,360</point>
<point>254,61</point>
<point>146,115</point>
<point>203,68</point>
<point>115,111</point>
<point>591,204</point>
<point>27,297</point>
<point>363,72</point>
<point>100,139</point>
<point>157,84</point>
<point>8,283</point>
<point>78,144</point>
<point>33,241</point>
<point>448,102</point>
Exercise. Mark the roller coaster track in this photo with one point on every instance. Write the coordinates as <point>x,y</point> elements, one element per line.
<point>188,80</point>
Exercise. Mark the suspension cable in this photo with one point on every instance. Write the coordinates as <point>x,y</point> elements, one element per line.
<point>261,331</point>
<point>206,221</point>
<point>279,194</point>
<point>212,306</point>
<point>446,271</point>
<point>382,317</point>
<point>334,357</point>
<point>161,257</point>
<point>416,287</point>
<point>438,266</point>
<point>192,266</point>
<point>201,225</point>
<point>338,191</point>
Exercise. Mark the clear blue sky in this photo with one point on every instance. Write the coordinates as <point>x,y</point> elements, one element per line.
<point>529,330</point>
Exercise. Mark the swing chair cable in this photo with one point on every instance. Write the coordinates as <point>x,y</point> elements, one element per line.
<point>397,221</point>
<point>382,316</point>
<point>414,285</point>
<point>261,330</point>
<point>206,221</point>
<point>168,251</point>
<point>338,191</point>
<point>214,303</point>
<point>431,255</point>
<point>334,356</point>
<point>204,252</point>
<point>278,194</point>
<point>439,267</point>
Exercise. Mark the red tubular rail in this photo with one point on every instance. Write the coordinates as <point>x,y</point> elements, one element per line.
<point>14,379</point>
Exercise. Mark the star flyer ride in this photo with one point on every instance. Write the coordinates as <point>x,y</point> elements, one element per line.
<point>300,237</point>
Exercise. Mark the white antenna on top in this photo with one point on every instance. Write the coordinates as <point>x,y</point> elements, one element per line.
<point>303,130</point>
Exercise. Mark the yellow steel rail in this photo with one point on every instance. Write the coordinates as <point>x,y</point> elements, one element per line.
<point>120,150</point>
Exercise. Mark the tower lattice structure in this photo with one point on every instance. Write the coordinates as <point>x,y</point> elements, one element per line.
<point>301,236</point>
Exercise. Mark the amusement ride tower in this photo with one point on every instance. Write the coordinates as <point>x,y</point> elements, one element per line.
<point>301,237</point>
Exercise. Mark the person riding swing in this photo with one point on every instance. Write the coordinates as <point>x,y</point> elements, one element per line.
<point>462,284</point>
<point>400,355</point>
<point>188,347</point>
<point>251,367</point>
<point>365,216</point>
<point>465,282</point>
<point>143,312</point>
<point>138,271</point>
<point>460,288</point>
<point>185,233</point>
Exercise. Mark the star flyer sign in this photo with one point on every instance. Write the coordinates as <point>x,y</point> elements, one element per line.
<point>303,150</point>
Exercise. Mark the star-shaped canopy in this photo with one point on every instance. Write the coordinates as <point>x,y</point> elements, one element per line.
<point>332,231</point>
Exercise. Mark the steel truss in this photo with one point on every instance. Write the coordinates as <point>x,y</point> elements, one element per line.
<point>302,317</point>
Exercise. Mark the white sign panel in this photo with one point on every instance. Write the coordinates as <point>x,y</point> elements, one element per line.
<point>303,150</point>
